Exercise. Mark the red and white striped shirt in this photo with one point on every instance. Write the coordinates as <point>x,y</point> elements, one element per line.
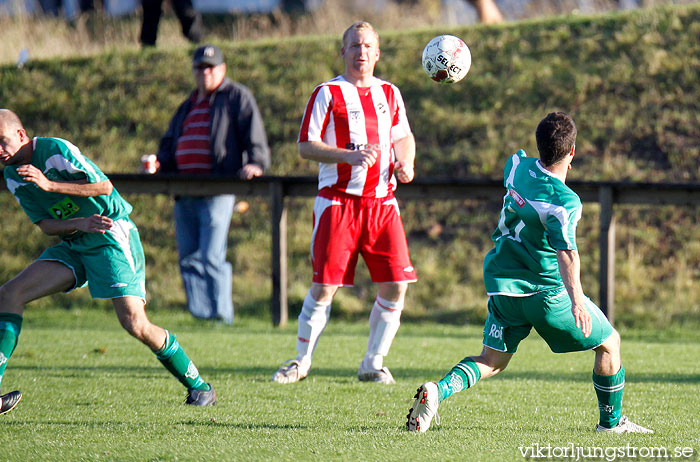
<point>345,116</point>
<point>193,152</point>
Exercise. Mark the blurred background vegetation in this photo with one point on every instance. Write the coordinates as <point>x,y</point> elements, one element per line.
<point>630,79</point>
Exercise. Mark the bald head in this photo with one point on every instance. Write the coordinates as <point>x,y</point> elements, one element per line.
<point>15,145</point>
<point>9,120</point>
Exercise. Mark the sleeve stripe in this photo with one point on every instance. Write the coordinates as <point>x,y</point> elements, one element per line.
<point>304,132</point>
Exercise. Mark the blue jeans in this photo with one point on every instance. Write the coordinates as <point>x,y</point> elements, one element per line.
<point>201,231</point>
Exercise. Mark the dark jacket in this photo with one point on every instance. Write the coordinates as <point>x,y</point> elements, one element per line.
<point>237,133</point>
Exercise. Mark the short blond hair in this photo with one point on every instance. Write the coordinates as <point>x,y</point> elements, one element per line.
<point>360,25</point>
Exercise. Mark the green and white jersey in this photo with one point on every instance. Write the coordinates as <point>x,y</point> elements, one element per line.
<point>60,160</point>
<point>539,217</point>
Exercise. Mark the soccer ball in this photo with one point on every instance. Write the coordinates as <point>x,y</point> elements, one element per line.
<point>446,59</point>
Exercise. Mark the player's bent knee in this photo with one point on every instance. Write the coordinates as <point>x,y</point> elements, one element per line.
<point>611,344</point>
<point>497,366</point>
<point>494,360</point>
<point>323,293</point>
<point>616,338</point>
<point>11,297</point>
<point>4,295</point>
<point>134,324</point>
<point>132,317</point>
<point>613,341</point>
<point>392,291</point>
<point>489,368</point>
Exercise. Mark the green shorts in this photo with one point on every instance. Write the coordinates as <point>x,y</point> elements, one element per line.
<point>511,318</point>
<point>112,264</point>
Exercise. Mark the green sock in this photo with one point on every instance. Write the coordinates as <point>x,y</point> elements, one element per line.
<point>464,375</point>
<point>174,358</point>
<point>609,389</point>
<point>10,326</point>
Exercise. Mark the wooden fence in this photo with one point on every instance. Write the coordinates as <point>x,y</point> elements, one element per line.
<point>607,194</point>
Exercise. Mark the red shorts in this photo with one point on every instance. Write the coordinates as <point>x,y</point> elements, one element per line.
<point>346,226</point>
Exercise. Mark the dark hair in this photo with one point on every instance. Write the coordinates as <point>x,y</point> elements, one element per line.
<point>556,135</point>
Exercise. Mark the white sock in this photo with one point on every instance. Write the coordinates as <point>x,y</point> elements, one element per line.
<point>373,362</point>
<point>312,320</point>
<point>384,321</point>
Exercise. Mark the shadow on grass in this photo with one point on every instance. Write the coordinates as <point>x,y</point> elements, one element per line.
<point>256,374</point>
<point>53,423</point>
<point>412,373</point>
<point>263,373</point>
<point>451,317</point>
<point>116,371</point>
<point>585,376</point>
<point>244,426</point>
<point>138,427</point>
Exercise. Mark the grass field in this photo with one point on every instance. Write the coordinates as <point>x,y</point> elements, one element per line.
<point>91,393</point>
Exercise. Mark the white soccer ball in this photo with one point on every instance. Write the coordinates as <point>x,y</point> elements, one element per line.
<point>447,59</point>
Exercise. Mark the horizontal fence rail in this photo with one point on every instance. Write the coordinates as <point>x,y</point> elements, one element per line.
<point>607,194</point>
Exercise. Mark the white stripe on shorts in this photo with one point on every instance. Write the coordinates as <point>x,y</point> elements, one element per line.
<point>120,232</point>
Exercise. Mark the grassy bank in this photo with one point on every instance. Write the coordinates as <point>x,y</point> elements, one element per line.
<point>631,81</point>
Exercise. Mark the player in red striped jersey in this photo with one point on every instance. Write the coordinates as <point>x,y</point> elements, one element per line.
<point>355,126</point>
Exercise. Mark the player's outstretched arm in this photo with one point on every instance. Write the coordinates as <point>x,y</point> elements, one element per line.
<point>322,152</point>
<point>81,188</point>
<point>92,224</point>
<point>570,269</point>
<point>405,149</point>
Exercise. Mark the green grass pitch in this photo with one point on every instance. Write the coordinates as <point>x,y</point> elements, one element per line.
<point>93,393</point>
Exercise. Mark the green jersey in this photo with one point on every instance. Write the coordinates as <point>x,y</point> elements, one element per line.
<point>539,217</point>
<point>60,160</point>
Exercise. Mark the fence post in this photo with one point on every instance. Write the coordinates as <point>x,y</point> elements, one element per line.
<point>607,252</point>
<point>278,306</point>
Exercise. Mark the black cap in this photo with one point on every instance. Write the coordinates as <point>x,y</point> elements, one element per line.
<point>210,55</point>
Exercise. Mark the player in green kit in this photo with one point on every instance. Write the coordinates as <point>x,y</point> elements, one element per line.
<point>67,195</point>
<point>532,278</point>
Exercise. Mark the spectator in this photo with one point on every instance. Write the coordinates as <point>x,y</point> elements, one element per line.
<point>71,8</point>
<point>190,20</point>
<point>217,129</point>
<point>86,5</point>
<point>488,11</point>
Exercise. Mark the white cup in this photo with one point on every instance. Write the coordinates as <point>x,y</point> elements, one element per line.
<point>148,163</point>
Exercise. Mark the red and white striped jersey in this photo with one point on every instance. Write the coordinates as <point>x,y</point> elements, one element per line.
<point>345,116</point>
<point>193,152</point>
